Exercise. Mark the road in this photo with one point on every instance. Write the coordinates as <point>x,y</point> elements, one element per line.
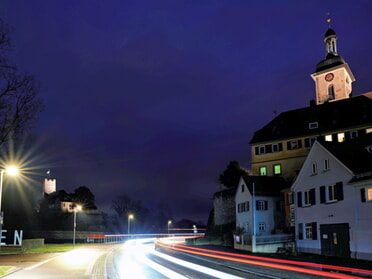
<point>138,259</point>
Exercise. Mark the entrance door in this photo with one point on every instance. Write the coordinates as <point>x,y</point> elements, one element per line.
<point>335,240</point>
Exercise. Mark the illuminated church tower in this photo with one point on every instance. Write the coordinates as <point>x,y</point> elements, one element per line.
<point>333,76</point>
<point>49,185</point>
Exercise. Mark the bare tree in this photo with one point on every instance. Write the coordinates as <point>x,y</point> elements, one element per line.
<point>19,101</point>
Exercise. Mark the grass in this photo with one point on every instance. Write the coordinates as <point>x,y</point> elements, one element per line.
<point>47,248</point>
<point>4,270</point>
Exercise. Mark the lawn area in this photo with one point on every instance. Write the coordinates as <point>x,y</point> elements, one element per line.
<point>4,270</point>
<point>45,249</point>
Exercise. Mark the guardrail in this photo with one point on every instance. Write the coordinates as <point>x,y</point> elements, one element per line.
<point>117,238</point>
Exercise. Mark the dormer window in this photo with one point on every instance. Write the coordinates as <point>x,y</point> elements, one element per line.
<point>313,125</point>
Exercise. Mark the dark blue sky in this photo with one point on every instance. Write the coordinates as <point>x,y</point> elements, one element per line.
<point>154,98</point>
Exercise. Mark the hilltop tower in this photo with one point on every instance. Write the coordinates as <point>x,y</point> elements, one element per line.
<point>49,185</point>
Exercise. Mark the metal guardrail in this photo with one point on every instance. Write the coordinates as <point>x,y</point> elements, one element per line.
<point>117,238</point>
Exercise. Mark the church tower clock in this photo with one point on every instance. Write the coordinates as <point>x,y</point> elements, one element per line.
<point>333,77</point>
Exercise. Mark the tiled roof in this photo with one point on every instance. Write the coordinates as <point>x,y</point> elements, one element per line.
<point>356,154</point>
<point>265,185</point>
<point>331,116</point>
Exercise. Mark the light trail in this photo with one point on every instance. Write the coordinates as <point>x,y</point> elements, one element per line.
<point>136,254</point>
<point>221,255</point>
<point>323,266</point>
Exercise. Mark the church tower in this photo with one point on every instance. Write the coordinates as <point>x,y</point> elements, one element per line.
<point>333,76</point>
<point>49,185</point>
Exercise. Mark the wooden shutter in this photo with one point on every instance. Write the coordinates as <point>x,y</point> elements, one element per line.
<point>299,199</point>
<point>363,194</point>
<point>312,196</point>
<point>322,194</point>
<point>339,191</point>
<point>300,231</point>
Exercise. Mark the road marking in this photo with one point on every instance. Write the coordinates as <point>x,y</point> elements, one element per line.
<point>41,263</point>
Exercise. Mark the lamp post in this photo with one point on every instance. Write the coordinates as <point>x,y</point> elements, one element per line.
<point>11,171</point>
<point>169,223</point>
<point>130,216</point>
<point>76,208</point>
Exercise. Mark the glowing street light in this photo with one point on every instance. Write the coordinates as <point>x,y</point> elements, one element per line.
<point>76,208</point>
<point>169,223</point>
<point>12,171</point>
<point>130,216</point>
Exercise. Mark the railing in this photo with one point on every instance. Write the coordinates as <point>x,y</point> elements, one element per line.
<point>117,238</point>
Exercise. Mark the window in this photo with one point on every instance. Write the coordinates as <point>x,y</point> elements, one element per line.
<point>313,125</point>
<point>340,137</point>
<point>331,92</point>
<point>263,171</point>
<point>306,198</point>
<point>331,193</point>
<point>261,227</point>
<point>261,149</point>
<point>353,134</point>
<point>326,164</point>
<point>310,231</point>
<point>261,205</point>
<point>290,198</point>
<point>309,141</point>
<point>314,169</point>
<point>369,130</point>
<point>275,147</point>
<point>294,144</point>
<point>366,194</point>
<point>277,169</point>
<point>243,207</point>
<point>328,138</point>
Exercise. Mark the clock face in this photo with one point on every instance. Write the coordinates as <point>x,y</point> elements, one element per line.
<point>329,77</point>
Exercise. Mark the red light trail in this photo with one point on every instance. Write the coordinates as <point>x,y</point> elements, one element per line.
<point>275,263</point>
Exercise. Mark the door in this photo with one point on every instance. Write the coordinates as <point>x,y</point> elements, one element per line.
<point>335,240</point>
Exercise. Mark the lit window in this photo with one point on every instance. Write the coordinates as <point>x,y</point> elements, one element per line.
<point>263,171</point>
<point>369,194</point>
<point>326,164</point>
<point>310,231</point>
<point>314,169</point>
<point>340,137</point>
<point>261,227</point>
<point>277,169</point>
<point>369,130</point>
<point>328,138</point>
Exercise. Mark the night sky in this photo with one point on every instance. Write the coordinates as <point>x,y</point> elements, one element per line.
<point>153,99</point>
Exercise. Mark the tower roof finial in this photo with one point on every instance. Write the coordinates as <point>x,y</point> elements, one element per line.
<point>329,19</point>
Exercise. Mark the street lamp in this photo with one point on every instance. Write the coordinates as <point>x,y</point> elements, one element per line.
<point>130,216</point>
<point>76,208</point>
<point>169,223</point>
<point>12,171</point>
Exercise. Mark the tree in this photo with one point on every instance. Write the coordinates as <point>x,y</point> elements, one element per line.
<point>84,197</point>
<point>230,177</point>
<point>19,101</point>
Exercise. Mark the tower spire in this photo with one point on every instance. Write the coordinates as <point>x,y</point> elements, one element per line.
<point>329,19</point>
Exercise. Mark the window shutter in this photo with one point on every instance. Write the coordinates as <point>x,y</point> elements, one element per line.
<point>363,194</point>
<point>268,148</point>
<point>339,191</point>
<point>256,150</point>
<point>280,146</point>
<point>312,196</point>
<point>299,143</point>
<point>300,231</point>
<point>322,194</point>
<point>288,145</point>
<point>314,231</point>
<point>299,199</point>
<point>266,205</point>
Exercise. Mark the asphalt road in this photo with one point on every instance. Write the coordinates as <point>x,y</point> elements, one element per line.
<point>138,259</point>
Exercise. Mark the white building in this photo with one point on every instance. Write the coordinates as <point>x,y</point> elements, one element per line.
<point>333,193</point>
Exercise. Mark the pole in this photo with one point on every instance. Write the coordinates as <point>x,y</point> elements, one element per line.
<point>73,242</point>
<point>129,217</point>
<point>1,212</point>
